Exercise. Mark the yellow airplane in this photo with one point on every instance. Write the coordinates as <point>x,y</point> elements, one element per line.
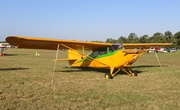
<point>103,55</point>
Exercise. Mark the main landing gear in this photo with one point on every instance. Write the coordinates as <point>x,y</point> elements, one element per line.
<point>125,69</point>
<point>108,76</point>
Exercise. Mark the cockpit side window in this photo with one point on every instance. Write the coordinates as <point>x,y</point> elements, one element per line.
<point>116,46</point>
<point>96,53</point>
<point>101,51</point>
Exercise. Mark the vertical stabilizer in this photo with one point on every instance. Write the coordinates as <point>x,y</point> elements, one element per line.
<point>73,55</point>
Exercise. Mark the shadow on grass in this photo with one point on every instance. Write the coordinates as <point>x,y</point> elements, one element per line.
<point>10,69</point>
<point>100,70</point>
<point>14,54</point>
<point>146,66</point>
<point>82,69</point>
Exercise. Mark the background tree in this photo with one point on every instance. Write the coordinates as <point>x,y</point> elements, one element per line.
<point>168,35</point>
<point>122,39</point>
<point>158,34</point>
<point>177,39</point>
<point>144,39</point>
<point>111,40</point>
<point>97,41</point>
<point>2,41</point>
<point>132,38</point>
<point>157,38</point>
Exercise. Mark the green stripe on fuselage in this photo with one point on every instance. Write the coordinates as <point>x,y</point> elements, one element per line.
<point>91,56</point>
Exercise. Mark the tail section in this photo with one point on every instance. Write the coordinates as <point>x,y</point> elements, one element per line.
<point>73,55</point>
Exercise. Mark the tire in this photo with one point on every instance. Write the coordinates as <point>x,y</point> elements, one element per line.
<point>108,76</point>
<point>135,74</point>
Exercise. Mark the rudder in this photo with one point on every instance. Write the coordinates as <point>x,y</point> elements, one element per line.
<point>73,55</point>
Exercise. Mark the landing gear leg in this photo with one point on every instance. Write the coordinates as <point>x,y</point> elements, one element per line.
<point>129,72</point>
<point>111,74</point>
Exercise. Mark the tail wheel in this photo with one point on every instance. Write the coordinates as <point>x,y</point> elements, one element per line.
<point>108,76</point>
<point>135,74</point>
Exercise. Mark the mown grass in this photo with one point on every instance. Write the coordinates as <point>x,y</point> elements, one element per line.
<point>26,84</point>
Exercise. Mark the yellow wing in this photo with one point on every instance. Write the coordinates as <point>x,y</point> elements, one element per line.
<point>44,43</point>
<point>146,45</point>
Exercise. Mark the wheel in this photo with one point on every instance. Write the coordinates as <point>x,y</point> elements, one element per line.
<point>135,74</point>
<point>108,76</point>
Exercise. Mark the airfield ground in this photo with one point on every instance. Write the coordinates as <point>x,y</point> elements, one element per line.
<point>25,83</point>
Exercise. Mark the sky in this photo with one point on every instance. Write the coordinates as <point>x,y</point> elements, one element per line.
<point>87,20</point>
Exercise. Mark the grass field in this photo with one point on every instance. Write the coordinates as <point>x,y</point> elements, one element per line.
<point>25,83</point>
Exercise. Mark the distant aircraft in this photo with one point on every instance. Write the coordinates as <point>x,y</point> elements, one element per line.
<point>103,55</point>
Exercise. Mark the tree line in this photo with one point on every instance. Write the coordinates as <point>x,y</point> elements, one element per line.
<point>157,37</point>
<point>2,41</point>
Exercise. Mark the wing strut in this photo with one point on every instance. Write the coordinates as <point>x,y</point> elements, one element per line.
<point>55,64</point>
<point>159,61</point>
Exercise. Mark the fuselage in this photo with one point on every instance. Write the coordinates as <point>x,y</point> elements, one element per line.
<point>104,59</point>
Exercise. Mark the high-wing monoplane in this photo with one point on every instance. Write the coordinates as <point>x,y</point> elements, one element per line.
<point>115,57</point>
